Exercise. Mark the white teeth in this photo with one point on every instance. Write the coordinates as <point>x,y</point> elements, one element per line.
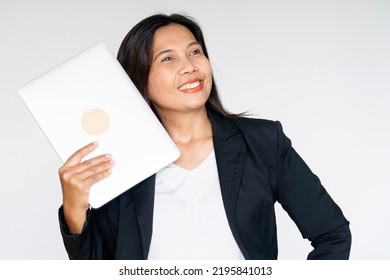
<point>190,86</point>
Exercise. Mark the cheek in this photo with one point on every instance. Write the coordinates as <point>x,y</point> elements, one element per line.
<point>208,74</point>
<point>159,79</point>
<point>159,86</point>
<point>152,84</point>
<point>207,69</point>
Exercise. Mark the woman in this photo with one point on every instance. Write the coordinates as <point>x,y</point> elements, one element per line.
<point>217,200</point>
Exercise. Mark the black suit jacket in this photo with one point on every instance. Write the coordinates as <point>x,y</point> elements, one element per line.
<point>257,166</point>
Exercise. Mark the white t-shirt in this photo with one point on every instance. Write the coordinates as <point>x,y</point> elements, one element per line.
<point>189,220</point>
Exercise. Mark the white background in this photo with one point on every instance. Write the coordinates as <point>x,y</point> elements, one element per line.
<point>322,68</point>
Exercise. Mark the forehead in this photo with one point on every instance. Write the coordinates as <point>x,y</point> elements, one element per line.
<point>171,36</point>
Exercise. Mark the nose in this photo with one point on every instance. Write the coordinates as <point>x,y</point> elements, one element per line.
<point>187,66</point>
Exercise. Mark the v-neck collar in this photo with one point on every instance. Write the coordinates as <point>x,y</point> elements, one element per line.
<point>230,153</point>
<point>202,164</point>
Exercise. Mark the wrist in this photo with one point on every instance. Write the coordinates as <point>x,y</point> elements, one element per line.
<point>75,219</point>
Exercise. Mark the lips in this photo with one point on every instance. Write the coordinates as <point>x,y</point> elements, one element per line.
<point>192,86</point>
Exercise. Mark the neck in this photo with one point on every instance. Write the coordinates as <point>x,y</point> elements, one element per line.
<point>187,127</point>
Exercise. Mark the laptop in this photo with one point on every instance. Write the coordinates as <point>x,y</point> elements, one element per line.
<point>91,98</point>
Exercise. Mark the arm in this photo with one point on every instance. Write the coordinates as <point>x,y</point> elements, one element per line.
<point>306,201</point>
<point>81,245</point>
<point>334,245</point>
<point>76,222</point>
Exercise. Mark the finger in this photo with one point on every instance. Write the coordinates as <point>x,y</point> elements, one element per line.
<point>85,169</point>
<point>80,154</point>
<point>92,162</point>
<point>97,177</point>
<point>96,169</point>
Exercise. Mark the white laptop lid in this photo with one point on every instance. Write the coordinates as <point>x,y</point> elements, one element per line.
<point>90,98</point>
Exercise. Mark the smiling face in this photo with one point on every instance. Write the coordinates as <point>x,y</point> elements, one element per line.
<point>180,75</point>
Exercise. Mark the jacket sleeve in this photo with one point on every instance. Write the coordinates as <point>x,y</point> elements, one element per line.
<point>301,194</point>
<point>83,246</point>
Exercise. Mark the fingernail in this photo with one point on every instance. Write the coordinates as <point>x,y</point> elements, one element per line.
<point>108,155</point>
<point>95,143</point>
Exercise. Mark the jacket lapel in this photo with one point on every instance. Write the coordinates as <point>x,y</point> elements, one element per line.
<point>230,153</point>
<point>144,202</point>
<point>136,220</point>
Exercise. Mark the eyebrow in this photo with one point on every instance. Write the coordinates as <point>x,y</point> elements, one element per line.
<point>169,50</point>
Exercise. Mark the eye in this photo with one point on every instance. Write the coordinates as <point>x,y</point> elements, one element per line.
<point>167,59</point>
<point>196,51</point>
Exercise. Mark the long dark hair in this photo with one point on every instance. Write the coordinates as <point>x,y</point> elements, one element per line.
<point>135,56</point>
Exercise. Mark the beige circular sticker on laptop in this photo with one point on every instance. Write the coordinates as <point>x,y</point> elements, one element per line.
<point>95,121</point>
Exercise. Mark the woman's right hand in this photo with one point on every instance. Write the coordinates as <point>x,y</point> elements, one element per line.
<point>77,177</point>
